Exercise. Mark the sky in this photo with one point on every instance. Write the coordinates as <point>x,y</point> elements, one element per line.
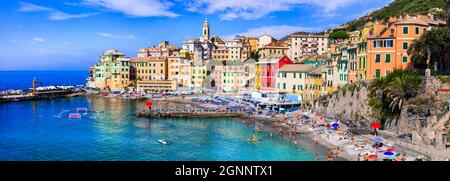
<point>71,34</point>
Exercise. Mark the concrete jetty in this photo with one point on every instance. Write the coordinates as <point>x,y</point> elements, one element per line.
<point>154,114</point>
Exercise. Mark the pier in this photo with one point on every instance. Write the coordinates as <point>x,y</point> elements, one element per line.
<point>187,114</point>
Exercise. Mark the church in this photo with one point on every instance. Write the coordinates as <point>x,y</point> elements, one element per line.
<point>200,47</point>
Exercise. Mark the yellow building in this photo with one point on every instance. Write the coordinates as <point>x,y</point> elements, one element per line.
<point>313,84</point>
<point>361,55</point>
<point>258,77</point>
<point>187,54</point>
<point>198,74</point>
<point>149,68</point>
<point>253,44</point>
<point>302,79</point>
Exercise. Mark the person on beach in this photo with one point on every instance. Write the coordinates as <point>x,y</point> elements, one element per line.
<point>358,157</point>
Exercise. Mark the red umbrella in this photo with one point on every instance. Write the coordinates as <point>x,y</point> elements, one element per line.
<point>376,125</point>
<point>148,104</point>
<point>372,157</point>
<point>389,150</point>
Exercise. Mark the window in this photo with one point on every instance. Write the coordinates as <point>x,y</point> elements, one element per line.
<point>388,72</point>
<point>377,58</point>
<point>405,30</point>
<point>417,30</point>
<point>284,86</point>
<point>388,58</point>
<point>295,75</point>
<point>405,45</point>
<point>405,59</point>
<point>389,43</point>
<point>278,85</point>
<point>378,74</point>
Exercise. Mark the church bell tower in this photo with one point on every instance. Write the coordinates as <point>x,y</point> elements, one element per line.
<point>205,30</point>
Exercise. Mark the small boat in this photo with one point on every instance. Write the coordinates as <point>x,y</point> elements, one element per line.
<point>164,141</point>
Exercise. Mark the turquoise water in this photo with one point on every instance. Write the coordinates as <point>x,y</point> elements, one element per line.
<point>30,131</point>
<point>22,79</point>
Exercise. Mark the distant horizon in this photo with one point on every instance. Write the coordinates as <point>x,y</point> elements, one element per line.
<point>70,35</point>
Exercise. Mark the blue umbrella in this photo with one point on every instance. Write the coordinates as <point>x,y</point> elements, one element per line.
<point>335,125</point>
<point>388,153</point>
<point>377,139</point>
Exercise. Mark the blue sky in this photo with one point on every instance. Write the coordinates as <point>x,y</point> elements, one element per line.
<point>71,34</point>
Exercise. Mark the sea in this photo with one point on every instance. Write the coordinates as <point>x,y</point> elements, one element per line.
<point>20,80</point>
<point>41,130</point>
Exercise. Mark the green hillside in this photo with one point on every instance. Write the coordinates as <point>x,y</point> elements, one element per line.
<point>400,7</point>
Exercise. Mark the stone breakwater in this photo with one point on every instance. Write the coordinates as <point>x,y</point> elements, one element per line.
<point>152,114</point>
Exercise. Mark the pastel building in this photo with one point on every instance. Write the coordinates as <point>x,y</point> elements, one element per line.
<point>273,50</point>
<point>112,72</point>
<point>267,72</point>
<point>361,56</point>
<point>307,45</point>
<point>264,40</point>
<point>302,79</point>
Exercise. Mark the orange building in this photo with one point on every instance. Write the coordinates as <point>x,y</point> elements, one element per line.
<point>388,46</point>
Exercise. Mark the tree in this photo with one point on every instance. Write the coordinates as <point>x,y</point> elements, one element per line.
<point>339,35</point>
<point>255,55</point>
<point>388,95</point>
<point>435,42</point>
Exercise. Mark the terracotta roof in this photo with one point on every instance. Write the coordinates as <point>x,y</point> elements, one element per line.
<point>275,43</point>
<point>317,70</point>
<point>297,68</point>
<point>147,59</point>
<point>413,22</point>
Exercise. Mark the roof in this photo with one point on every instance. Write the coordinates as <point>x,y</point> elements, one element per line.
<point>112,52</point>
<point>275,43</point>
<point>413,22</point>
<point>250,60</point>
<point>317,71</point>
<point>147,59</point>
<point>297,68</point>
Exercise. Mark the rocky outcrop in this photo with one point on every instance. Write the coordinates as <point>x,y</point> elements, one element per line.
<point>423,120</point>
<point>349,103</point>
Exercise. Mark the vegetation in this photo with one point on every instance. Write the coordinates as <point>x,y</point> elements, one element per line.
<point>255,55</point>
<point>398,8</point>
<point>339,35</point>
<point>436,42</point>
<point>388,95</point>
<point>444,79</point>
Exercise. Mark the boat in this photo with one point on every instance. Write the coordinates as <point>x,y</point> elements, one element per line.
<point>164,141</point>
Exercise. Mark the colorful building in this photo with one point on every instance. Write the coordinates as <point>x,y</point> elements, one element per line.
<point>307,45</point>
<point>112,72</point>
<point>299,79</point>
<point>267,72</point>
<point>361,56</point>
<point>273,50</point>
<point>388,46</point>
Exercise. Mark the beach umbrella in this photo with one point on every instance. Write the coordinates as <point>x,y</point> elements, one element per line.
<point>377,139</point>
<point>376,125</point>
<point>391,156</point>
<point>389,150</point>
<point>148,104</point>
<point>335,125</point>
<point>372,157</point>
<point>388,153</point>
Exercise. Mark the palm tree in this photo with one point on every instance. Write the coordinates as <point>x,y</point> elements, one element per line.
<point>400,88</point>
